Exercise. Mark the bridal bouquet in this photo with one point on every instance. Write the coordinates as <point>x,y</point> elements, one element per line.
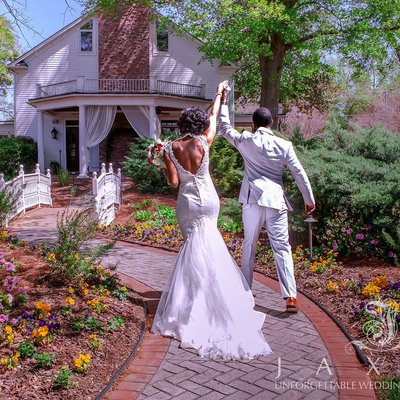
<point>155,153</point>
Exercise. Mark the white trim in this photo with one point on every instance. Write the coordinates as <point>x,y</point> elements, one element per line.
<point>95,36</point>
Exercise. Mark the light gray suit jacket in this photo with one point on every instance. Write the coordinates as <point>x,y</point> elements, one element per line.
<point>265,157</point>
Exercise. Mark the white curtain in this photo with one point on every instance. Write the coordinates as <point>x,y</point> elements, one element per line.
<point>139,118</point>
<point>99,120</point>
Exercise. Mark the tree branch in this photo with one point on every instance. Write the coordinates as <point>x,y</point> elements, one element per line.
<point>335,32</point>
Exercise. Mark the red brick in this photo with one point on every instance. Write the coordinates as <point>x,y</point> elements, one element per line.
<point>121,395</point>
<point>134,377</point>
<point>131,386</point>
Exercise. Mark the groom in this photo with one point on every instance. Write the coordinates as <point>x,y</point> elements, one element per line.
<point>265,157</point>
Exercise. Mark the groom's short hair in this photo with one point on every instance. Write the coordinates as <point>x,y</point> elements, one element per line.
<point>262,117</point>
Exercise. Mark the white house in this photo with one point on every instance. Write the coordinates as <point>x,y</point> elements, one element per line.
<point>93,86</point>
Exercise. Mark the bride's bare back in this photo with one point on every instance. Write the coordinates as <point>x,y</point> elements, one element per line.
<point>189,152</point>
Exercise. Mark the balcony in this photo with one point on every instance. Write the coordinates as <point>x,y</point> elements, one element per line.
<point>121,86</point>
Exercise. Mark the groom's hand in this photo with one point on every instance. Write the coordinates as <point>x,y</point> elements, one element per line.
<point>309,208</point>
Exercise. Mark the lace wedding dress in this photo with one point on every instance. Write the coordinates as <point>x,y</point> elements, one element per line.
<point>207,303</point>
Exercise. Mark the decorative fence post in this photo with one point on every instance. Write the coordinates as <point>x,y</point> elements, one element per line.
<point>21,174</point>
<point>37,171</point>
<point>103,168</point>
<point>110,168</point>
<point>94,183</point>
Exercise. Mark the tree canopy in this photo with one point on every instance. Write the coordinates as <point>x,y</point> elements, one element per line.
<point>8,53</point>
<point>283,45</point>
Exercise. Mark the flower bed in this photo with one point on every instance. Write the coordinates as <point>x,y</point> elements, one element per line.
<point>61,342</point>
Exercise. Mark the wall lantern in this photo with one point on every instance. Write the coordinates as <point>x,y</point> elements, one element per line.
<point>54,133</point>
<point>310,220</point>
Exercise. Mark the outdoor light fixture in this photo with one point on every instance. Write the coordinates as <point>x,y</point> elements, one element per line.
<point>310,220</point>
<point>54,133</point>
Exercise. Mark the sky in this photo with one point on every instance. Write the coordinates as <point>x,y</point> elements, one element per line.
<point>45,16</point>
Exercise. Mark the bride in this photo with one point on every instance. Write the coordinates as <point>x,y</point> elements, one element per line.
<point>207,304</point>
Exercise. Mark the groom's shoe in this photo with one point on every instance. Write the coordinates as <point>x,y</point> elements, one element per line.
<point>291,305</point>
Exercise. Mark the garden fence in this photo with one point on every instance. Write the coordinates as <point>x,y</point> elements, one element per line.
<point>27,190</point>
<point>107,191</point>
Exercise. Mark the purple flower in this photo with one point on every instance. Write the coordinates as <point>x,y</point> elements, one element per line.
<point>343,230</point>
<point>29,330</point>
<point>349,231</point>
<point>328,232</point>
<point>374,241</point>
<point>335,246</point>
<point>3,318</point>
<point>26,315</point>
<point>14,321</point>
<point>391,254</point>
<point>360,236</point>
<point>10,298</point>
<point>10,267</point>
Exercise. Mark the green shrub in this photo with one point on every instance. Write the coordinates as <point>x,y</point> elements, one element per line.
<point>8,200</point>
<point>14,151</point>
<point>148,178</point>
<point>44,360</point>
<point>356,174</point>
<point>142,215</point>
<point>63,177</point>
<point>226,168</point>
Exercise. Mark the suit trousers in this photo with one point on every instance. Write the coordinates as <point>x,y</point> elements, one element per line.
<point>276,222</point>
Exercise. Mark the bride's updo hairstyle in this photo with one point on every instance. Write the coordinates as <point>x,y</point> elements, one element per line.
<point>193,120</point>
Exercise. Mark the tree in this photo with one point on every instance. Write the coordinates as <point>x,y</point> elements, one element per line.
<point>271,33</point>
<point>8,53</point>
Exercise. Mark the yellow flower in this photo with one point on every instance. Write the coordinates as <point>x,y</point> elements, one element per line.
<point>85,292</point>
<point>370,290</point>
<point>93,337</point>
<point>3,235</point>
<point>15,357</point>
<point>71,290</point>
<point>380,281</point>
<point>76,256</point>
<point>42,306</point>
<point>43,331</point>
<point>332,287</point>
<point>123,289</point>
<point>86,358</point>
<point>3,361</point>
<point>8,329</point>
<point>69,301</point>
<point>52,257</point>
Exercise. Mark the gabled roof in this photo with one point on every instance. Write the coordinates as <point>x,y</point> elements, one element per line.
<point>21,59</point>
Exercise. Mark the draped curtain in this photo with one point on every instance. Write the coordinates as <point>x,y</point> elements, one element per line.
<point>99,120</point>
<point>139,117</point>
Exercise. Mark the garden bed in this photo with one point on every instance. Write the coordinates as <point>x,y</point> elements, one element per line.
<point>87,330</point>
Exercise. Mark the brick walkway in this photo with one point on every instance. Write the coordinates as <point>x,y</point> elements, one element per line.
<point>309,360</point>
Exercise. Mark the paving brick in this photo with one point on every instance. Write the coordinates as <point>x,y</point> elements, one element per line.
<point>138,377</point>
<point>212,396</point>
<point>185,375</point>
<point>195,388</point>
<point>246,387</point>
<point>122,395</point>
<point>230,376</point>
<point>239,395</point>
<point>167,387</point>
<point>219,387</point>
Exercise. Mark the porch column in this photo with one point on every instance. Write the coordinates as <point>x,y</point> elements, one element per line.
<point>83,165</point>
<point>152,122</point>
<point>40,141</point>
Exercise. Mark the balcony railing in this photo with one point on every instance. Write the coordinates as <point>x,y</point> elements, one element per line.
<point>117,86</point>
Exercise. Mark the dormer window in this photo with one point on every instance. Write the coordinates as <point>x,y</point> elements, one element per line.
<point>86,39</point>
<point>162,37</point>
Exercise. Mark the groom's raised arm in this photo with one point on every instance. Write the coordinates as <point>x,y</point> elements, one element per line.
<point>225,128</point>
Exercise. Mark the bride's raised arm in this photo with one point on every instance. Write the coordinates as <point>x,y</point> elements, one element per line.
<point>212,129</point>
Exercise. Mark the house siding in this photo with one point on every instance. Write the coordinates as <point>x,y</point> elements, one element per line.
<point>60,60</point>
<point>181,64</point>
<point>124,44</point>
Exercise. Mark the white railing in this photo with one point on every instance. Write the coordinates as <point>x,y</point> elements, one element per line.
<point>107,190</point>
<point>30,190</point>
<point>128,86</point>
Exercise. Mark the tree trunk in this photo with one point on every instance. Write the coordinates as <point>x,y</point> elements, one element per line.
<point>271,71</point>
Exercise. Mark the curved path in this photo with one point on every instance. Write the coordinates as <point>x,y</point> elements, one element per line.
<point>309,360</point>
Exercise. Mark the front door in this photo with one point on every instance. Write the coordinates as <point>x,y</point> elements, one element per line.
<point>72,145</point>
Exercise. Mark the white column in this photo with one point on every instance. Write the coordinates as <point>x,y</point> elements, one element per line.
<point>82,143</point>
<point>153,123</point>
<point>40,140</point>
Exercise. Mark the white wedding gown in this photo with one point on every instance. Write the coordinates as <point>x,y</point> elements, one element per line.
<point>207,303</point>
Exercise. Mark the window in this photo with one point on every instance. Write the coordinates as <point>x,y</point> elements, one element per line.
<point>162,37</point>
<point>86,43</point>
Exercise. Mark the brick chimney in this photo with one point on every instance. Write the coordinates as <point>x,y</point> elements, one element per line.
<point>124,44</point>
